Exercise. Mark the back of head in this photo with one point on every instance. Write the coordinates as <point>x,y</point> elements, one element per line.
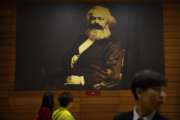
<point>48,100</point>
<point>65,99</point>
<point>146,79</point>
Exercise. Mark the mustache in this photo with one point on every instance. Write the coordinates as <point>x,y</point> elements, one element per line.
<point>95,26</point>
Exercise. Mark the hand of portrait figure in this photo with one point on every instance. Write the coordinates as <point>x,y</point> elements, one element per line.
<point>100,75</point>
<point>103,78</point>
<point>74,79</point>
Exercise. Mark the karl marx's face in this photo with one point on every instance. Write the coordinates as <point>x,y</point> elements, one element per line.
<point>97,21</point>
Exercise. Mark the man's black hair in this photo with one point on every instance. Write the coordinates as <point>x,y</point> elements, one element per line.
<point>146,79</point>
<point>65,98</point>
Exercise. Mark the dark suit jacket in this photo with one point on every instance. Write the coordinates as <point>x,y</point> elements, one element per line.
<point>129,116</point>
<point>99,54</point>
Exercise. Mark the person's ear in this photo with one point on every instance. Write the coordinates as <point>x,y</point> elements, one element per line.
<point>138,92</point>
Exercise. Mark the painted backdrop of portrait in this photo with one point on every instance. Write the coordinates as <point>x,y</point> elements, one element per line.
<point>46,34</point>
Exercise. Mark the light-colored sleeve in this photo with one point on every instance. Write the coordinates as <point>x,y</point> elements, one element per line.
<point>65,117</point>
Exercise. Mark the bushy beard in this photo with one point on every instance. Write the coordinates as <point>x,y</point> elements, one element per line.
<point>97,32</point>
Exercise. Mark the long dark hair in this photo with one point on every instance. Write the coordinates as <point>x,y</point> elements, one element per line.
<point>48,100</point>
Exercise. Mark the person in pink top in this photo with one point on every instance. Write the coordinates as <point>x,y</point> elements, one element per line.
<point>45,111</point>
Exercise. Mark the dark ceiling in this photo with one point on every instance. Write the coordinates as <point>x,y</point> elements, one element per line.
<point>92,1</point>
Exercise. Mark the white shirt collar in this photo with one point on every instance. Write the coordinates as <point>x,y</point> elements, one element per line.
<point>147,117</point>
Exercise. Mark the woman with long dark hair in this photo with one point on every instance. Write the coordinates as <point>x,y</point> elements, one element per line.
<point>45,111</point>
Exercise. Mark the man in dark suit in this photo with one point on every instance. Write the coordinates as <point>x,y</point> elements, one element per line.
<point>148,90</point>
<point>95,61</point>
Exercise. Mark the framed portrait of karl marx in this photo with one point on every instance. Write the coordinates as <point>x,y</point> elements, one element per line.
<point>86,46</point>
